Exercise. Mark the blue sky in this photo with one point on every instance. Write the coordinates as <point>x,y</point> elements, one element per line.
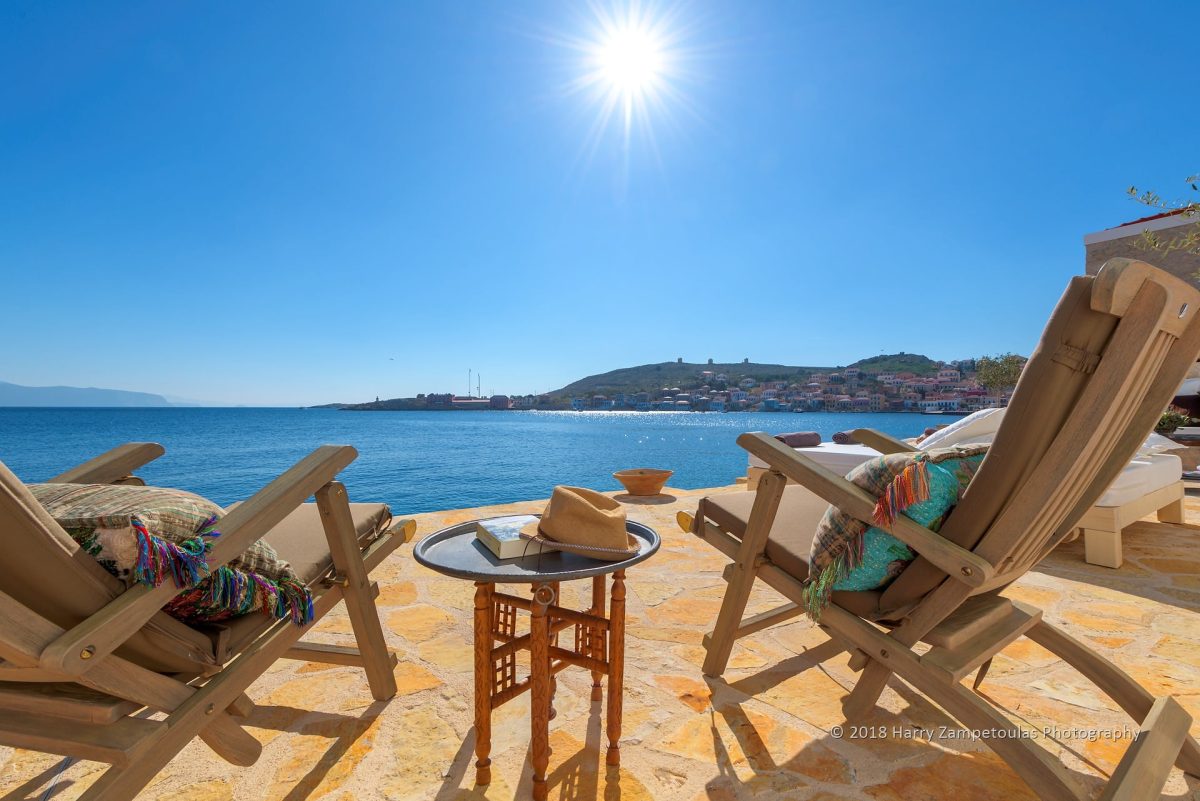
<point>300,202</point>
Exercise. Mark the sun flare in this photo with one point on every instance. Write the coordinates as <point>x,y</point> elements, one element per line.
<point>631,60</point>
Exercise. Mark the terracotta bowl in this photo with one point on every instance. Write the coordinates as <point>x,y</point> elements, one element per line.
<point>643,480</point>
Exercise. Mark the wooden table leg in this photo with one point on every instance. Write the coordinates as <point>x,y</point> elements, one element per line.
<point>598,610</point>
<point>483,682</point>
<point>539,686</point>
<point>556,587</point>
<point>616,666</point>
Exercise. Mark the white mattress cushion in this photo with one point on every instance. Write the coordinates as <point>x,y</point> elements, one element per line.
<point>1143,475</point>
<point>841,459</point>
<point>977,427</point>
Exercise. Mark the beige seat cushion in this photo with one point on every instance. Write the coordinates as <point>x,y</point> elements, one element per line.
<point>300,540</point>
<point>791,535</point>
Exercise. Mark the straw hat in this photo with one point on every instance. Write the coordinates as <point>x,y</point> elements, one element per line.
<point>585,522</point>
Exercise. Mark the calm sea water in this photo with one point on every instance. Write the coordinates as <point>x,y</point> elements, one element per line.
<point>415,461</point>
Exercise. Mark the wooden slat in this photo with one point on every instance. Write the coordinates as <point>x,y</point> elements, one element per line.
<point>723,541</point>
<point>764,620</point>
<point>968,620</point>
<point>377,661</point>
<point>879,441</point>
<point>63,700</point>
<point>1143,770</point>
<point>119,743</point>
<point>111,465</point>
<point>329,654</point>
<point>969,654</point>
<point>754,542</point>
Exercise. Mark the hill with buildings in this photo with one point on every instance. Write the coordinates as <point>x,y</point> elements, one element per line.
<point>654,377</point>
<point>901,382</point>
<point>895,382</point>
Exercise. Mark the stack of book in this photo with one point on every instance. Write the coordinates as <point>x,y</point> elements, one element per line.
<point>502,536</point>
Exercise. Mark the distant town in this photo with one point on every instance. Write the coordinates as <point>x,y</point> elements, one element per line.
<point>873,385</point>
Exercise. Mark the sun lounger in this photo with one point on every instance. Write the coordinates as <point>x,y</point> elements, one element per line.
<point>1150,484</point>
<point>1108,363</point>
<point>81,656</point>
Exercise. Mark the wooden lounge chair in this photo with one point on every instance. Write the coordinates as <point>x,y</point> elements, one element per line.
<point>1108,363</point>
<point>80,654</point>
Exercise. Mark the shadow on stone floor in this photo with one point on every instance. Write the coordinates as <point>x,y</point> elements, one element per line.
<point>344,730</point>
<point>661,499</point>
<point>32,789</point>
<point>464,761</point>
<point>1154,553</point>
<point>958,768</point>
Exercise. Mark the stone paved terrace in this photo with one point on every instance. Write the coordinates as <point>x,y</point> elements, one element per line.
<point>763,732</point>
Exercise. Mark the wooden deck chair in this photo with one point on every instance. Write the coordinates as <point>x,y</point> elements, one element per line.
<point>1113,353</point>
<point>85,662</point>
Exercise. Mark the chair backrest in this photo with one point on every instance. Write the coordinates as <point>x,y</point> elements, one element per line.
<point>1108,363</point>
<point>47,573</point>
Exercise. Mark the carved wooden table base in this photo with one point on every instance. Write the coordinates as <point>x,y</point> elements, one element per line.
<point>599,646</point>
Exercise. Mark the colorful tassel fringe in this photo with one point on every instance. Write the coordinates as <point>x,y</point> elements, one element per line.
<point>819,589</point>
<point>226,592</point>
<point>158,557</point>
<point>911,486</point>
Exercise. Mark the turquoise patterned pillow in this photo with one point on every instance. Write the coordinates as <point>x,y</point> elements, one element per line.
<point>850,554</point>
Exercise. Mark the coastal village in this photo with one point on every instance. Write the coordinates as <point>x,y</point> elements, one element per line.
<point>871,386</point>
<point>952,389</point>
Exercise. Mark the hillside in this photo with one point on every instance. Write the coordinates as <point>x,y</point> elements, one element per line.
<point>898,363</point>
<point>17,395</point>
<point>653,377</point>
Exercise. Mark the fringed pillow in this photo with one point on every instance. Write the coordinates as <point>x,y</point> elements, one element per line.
<point>852,555</point>
<point>146,534</point>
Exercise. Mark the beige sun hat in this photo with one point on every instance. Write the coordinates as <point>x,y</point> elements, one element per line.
<point>585,522</point>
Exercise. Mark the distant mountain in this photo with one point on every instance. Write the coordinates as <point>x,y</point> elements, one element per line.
<point>653,377</point>
<point>17,395</point>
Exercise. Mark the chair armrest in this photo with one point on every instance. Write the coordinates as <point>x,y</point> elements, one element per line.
<point>881,442</point>
<point>111,465</point>
<point>104,631</point>
<point>955,561</point>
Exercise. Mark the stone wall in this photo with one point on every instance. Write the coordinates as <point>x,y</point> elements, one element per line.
<point>1178,262</point>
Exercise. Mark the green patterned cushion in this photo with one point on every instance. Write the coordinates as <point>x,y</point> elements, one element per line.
<point>147,534</point>
<point>853,555</point>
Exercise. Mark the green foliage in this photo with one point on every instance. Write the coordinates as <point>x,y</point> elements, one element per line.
<point>913,363</point>
<point>999,373</point>
<point>1171,419</point>
<point>1189,240</point>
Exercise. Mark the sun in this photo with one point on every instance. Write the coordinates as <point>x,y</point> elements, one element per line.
<point>631,61</point>
<point>630,56</point>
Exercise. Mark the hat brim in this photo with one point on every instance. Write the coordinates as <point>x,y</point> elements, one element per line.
<point>532,532</point>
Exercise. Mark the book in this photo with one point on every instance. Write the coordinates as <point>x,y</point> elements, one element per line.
<point>502,536</point>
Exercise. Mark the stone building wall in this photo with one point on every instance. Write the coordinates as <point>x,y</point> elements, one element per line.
<point>1178,262</point>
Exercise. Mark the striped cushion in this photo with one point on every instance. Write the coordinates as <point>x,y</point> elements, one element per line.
<point>145,534</point>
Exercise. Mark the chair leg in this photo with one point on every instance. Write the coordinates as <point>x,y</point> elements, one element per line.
<point>1172,512</point>
<point>865,695</point>
<point>719,644</point>
<point>334,507</point>
<point>1036,766</point>
<point>1102,548</point>
<point>1118,685</point>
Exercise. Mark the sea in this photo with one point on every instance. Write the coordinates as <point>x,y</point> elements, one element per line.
<point>414,461</point>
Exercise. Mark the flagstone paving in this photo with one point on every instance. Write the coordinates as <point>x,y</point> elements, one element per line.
<point>765,731</point>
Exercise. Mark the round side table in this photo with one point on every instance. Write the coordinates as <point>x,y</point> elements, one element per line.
<point>599,639</point>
